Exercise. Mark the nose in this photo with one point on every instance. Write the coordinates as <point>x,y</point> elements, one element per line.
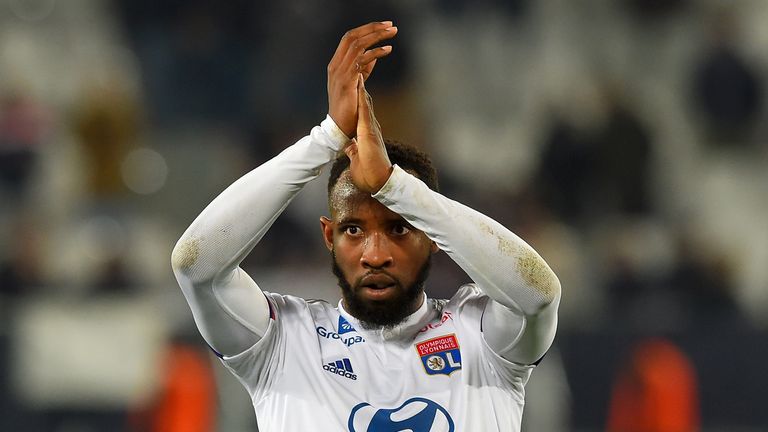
<point>376,252</point>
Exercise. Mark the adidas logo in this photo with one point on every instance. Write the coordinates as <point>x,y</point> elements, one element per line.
<point>341,367</point>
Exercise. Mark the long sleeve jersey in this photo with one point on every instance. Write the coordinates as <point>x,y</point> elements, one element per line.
<point>453,365</point>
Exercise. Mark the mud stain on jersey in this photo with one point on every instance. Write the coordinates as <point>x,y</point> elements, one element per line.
<point>531,267</point>
<point>507,248</point>
<point>484,227</point>
<point>537,274</point>
<point>185,254</point>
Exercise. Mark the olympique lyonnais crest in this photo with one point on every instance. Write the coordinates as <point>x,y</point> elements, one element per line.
<point>440,355</point>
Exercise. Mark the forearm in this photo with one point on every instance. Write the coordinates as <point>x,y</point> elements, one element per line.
<point>503,265</point>
<point>233,223</point>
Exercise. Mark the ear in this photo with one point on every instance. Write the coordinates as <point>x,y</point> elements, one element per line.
<point>327,225</point>
<point>435,248</point>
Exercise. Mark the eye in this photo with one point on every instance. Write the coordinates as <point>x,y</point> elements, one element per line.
<point>352,230</point>
<point>400,230</point>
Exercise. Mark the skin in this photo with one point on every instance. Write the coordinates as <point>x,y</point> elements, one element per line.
<point>354,58</point>
<point>378,253</point>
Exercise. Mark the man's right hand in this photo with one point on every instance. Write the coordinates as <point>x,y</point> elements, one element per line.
<point>352,57</point>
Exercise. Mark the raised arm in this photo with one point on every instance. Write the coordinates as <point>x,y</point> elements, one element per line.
<point>520,321</point>
<point>229,309</point>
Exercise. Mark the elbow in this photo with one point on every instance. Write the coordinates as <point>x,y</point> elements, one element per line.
<point>528,297</point>
<point>185,257</point>
<point>542,296</point>
<point>546,296</point>
<point>550,289</point>
<point>537,275</point>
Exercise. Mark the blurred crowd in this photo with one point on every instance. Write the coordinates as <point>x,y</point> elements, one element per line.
<point>624,140</point>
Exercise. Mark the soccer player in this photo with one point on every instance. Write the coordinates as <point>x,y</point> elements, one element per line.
<point>387,357</point>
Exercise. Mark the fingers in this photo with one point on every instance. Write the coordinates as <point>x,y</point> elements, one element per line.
<point>367,69</point>
<point>355,42</point>
<point>374,54</point>
<point>366,29</point>
<point>351,149</point>
<point>363,109</point>
<point>354,58</point>
<point>358,52</point>
<point>359,45</point>
<point>355,34</point>
<point>366,123</point>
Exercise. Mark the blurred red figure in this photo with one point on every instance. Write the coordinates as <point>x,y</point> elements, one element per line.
<point>188,399</point>
<point>656,392</point>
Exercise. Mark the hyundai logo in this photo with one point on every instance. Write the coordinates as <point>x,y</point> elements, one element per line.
<point>415,415</point>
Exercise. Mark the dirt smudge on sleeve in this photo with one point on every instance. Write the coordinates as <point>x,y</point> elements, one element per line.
<point>536,273</point>
<point>185,254</point>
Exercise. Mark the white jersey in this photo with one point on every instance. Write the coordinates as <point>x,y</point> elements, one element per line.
<point>457,365</point>
<point>317,366</point>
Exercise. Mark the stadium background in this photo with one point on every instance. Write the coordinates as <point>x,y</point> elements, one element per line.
<point>625,140</point>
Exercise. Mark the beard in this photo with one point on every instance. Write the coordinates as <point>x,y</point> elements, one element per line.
<point>381,313</point>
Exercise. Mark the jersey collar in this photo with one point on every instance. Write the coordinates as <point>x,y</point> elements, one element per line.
<point>403,331</point>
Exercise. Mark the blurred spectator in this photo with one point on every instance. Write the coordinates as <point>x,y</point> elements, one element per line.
<point>584,176</point>
<point>693,291</point>
<point>23,123</point>
<point>114,278</point>
<point>703,279</point>
<point>628,290</point>
<point>20,273</point>
<point>656,391</point>
<point>728,91</point>
<point>279,255</point>
<point>655,9</point>
<point>107,126</point>
<point>563,172</point>
<point>621,161</point>
<point>194,57</point>
<point>187,398</point>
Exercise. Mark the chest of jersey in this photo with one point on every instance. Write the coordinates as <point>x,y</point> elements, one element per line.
<point>438,377</point>
<point>364,365</point>
<point>379,381</point>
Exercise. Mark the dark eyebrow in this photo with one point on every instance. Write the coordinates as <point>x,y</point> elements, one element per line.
<point>349,221</point>
<point>358,221</point>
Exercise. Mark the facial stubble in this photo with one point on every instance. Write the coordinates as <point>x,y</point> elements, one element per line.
<point>381,313</point>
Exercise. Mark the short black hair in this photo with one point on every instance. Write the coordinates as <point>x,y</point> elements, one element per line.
<point>403,155</point>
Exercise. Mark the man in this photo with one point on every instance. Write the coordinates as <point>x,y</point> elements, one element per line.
<point>388,358</point>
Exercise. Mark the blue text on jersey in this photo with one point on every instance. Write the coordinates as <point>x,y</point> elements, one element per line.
<point>348,341</point>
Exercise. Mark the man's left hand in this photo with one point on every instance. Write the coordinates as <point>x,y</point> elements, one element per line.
<point>369,163</point>
<point>354,56</point>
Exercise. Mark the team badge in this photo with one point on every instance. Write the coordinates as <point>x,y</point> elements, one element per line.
<point>440,355</point>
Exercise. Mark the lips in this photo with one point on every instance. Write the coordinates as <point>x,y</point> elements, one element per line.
<point>377,281</point>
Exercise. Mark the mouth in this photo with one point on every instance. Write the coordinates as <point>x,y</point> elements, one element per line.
<point>377,285</point>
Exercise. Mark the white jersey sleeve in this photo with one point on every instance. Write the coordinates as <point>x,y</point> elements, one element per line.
<point>521,320</point>
<point>259,366</point>
<point>228,307</point>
